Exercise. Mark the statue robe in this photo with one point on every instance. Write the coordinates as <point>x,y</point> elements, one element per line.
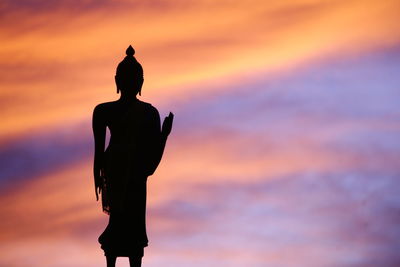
<point>132,155</point>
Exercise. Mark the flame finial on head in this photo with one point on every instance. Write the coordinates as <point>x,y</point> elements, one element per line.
<point>130,51</point>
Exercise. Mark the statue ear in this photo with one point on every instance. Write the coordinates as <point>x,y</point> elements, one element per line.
<point>116,83</point>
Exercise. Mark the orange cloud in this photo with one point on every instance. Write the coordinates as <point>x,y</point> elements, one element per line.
<point>58,61</point>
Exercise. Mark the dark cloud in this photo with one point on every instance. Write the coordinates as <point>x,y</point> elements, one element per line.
<point>43,6</point>
<point>40,153</point>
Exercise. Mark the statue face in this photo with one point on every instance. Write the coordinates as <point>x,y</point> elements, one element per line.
<point>128,83</point>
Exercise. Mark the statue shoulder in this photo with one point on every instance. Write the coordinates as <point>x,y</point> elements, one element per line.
<point>150,108</point>
<point>104,107</point>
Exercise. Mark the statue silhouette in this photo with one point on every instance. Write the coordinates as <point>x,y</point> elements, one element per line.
<point>120,172</point>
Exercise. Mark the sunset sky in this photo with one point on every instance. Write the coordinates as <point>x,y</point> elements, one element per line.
<point>285,149</point>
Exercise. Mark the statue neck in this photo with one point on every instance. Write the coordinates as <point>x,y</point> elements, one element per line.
<point>128,96</point>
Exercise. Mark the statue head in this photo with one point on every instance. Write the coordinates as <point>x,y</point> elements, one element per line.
<point>129,75</point>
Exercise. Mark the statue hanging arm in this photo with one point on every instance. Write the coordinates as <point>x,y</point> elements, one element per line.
<point>99,132</point>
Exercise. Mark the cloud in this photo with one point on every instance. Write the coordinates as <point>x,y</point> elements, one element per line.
<point>341,218</point>
<point>346,212</point>
<point>63,56</point>
<point>39,153</point>
<point>324,116</point>
<point>319,219</point>
<point>285,144</point>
